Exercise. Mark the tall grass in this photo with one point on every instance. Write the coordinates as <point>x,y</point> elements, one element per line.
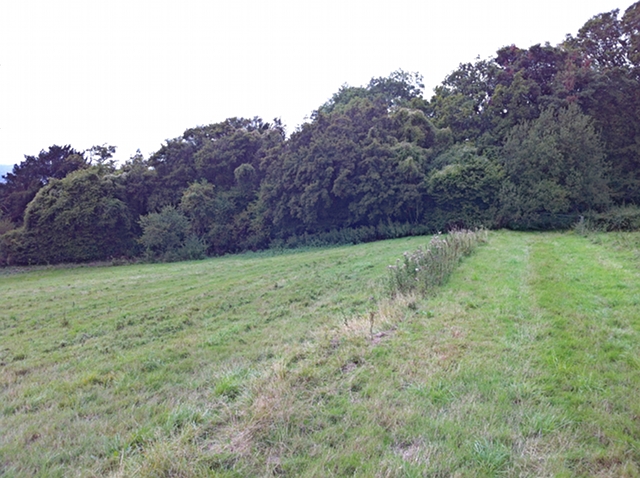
<point>424,269</point>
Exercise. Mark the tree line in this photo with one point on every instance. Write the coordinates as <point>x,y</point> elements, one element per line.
<point>529,139</point>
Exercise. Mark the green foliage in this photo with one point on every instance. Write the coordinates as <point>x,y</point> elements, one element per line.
<point>482,102</point>
<point>424,269</point>
<point>620,218</point>
<point>214,153</point>
<point>608,84</point>
<point>28,177</point>
<point>16,247</point>
<point>5,224</point>
<point>461,102</point>
<point>608,80</point>
<point>214,174</point>
<point>400,88</point>
<point>554,166</point>
<point>79,218</point>
<point>219,221</point>
<point>602,41</point>
<point>101,155</point>
<point>194,248</point>
<point>199,204</point>
<point>355,166</point>
<point>138,181</point>
<point>631,28</point>
<point>355,235</point>
<point>245,175</point>
<point>166,236</point>
<point>465,188</point>
<point>531,138</point>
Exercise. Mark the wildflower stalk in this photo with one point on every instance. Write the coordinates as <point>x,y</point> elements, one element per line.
<point>426,268</point>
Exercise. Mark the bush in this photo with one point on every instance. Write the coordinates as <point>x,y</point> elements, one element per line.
<point>465,188</point>
<point>622,218</point>
<point>5,225</point>
<point>352,235</point>
<point>17,248</point>
<point>193,249</point>
<point>166,236</point>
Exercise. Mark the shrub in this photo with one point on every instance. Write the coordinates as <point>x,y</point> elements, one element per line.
<point>166,236</point>
<point>194,248</point>
<point>622,218</point>
<point>352,235</point>
<point>17,248</point>
<point>5,224</point>
<point>465,188</point>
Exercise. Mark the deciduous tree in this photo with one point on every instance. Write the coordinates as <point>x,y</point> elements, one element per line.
<point>28,177</point>
<point>555,166</point>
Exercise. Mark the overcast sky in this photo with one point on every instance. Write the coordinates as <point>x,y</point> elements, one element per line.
<point>133,73</point>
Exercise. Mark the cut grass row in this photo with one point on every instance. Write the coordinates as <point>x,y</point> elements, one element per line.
<point>525,363</point>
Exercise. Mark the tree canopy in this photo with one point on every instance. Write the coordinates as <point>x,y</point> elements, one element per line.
<point>530,138</point>
<point>81,217</point>
<point>28,177</point>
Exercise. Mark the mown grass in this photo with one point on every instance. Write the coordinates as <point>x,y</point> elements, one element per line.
<point>97,363</point>
<point>525,364</point>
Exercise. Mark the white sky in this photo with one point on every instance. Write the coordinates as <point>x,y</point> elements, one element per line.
<point>133,73</point>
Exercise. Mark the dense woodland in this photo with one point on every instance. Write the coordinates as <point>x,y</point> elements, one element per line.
<point>536,138</point>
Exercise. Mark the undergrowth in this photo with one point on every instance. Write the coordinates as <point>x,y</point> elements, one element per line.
<point>620,218</point>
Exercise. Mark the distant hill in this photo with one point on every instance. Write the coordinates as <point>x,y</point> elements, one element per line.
<point>4,169</point>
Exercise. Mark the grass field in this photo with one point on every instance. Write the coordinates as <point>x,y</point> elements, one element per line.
<point>526,363</point>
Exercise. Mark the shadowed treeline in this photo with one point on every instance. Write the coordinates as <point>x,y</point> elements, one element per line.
<point>537,138</point>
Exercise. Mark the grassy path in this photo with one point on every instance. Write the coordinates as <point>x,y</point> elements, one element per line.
<point>527,363</point>
<point>590,297</point>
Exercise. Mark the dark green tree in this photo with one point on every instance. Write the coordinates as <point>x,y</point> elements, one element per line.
<point>465,187</point>
<point>35,172</point>
<point>200,205</point>
<point>400,88</point>
<point>481,102</point>
<point>555,170</point>
<point>461,102</point>
<point>631,28</point>
<point>602,41</point>
<point>361,162</point>
<point>140,183</point>
<point>102,157</point>
<point>79,218</point>
<point>232,158</point>
<point>609,80</point>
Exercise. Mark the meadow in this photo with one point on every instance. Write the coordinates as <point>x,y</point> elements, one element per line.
<point>526,362</point>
